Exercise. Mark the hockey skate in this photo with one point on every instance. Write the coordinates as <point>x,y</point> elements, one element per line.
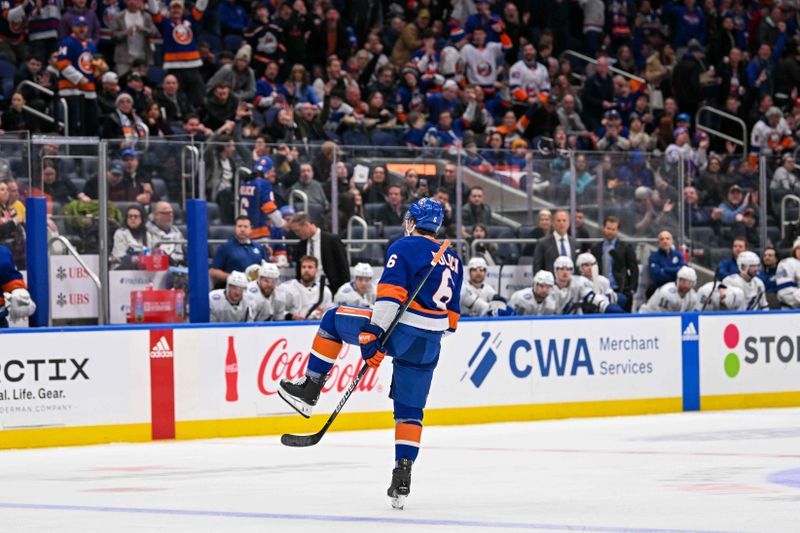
<point>301,393</point>
<point>401,483</point>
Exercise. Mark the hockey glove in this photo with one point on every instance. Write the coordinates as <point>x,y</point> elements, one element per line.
<point>19,304</point>
<point>370,341</point>
<point>499,307</point>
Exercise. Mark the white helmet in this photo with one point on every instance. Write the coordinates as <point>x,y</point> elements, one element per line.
<point>543,277</point>
<point>796,243</point>
<point>563,261</point>
<point>269,270</point>
<point>477,262</point>
<point>586,259</point>
<point>363,270</point>
<point>747,259</point>
<point>687,273</point>
<point>237,279</point>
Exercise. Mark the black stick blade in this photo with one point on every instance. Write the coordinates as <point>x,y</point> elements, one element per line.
<point>300,441</point>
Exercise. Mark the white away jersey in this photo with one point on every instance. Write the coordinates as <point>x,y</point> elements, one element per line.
<point>348,295</point>
<point>755,294</point>
<point>524,303</point>
<point>222,310</point>
<point>300,299</point>
<point>272,307</point>
<point>531,80</point>
<point>667,299</point>
<point>602,285</point>
<point>734,298</point>
<point>481,63</point>
<point>475,300</point>
<point>788,280</point>
<point>570,299</point>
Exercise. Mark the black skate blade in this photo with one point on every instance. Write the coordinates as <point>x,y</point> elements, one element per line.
<point>300,441</point>
<point>299,406</point>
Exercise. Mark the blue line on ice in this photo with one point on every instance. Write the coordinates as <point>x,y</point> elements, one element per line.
<point>337,518</point>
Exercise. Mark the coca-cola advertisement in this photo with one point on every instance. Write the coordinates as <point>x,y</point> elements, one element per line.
<point>234,373</point>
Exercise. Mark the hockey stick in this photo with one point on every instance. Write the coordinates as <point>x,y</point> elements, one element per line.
<point>713,288</point>
<point>301,441</point>
<point>321,296</point>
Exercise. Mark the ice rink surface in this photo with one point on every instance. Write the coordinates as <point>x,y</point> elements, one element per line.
<point>723,471</point>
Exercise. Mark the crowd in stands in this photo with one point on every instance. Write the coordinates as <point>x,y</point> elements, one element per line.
<point>487,82</point>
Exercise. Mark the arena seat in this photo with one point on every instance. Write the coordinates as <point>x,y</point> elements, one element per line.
<point>213,213</point>
<point>371,210</point>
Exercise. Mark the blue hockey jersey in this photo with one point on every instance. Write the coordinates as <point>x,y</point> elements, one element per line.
<point>257,202</point>
<point>437,306</point>
<point>75,61</point>
<point>180,41</point>
<point>10,277</point>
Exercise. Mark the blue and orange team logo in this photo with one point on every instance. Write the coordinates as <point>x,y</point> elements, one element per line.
<point>85,62</point>
<point>731,339</point>
<point>182,33</point>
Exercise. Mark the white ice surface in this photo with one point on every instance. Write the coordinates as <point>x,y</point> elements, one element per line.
<point>682,472</point>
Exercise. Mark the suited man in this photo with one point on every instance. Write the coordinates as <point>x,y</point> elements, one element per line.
<point>326,247</point>
<point>554,245</point>
<point>617,261</point>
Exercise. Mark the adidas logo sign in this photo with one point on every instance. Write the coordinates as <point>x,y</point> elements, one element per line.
<point>161,349</point>
<point>690,333</point>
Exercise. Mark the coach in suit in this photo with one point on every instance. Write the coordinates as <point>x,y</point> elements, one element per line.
<point>617,261</point>
<point>554,245</point>
<point>326,247</point>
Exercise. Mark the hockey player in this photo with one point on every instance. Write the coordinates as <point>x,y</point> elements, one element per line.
<point>229,304</point>
<point>476,295</point>
<point>674,296</point>
<point>302,294</point>
<point>755,295</point>
<point>723,299</point>
<point>414,345</point>
<point>574,295</point>
<point>256,200</point>
<point>536,299</point>
<point>15,300</point>
<point>788,279</point>
<point>263,296</point>
<point>358,292</point>
<point>587,267</point>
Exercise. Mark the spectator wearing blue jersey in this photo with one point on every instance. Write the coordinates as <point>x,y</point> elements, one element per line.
<point>238,253</point>
<point>664,263</point>
<point>690,22</point>
<point>232,16</point>
<point>446,133</point>
<point>299,88</point>
<point>447,100</point>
